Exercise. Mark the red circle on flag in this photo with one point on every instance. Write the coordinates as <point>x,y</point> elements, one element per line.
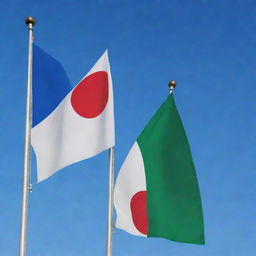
<point>138,206</point>
<point>90,96</point>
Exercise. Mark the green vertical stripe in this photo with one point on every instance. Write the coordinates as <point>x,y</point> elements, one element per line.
<point>173,197</point>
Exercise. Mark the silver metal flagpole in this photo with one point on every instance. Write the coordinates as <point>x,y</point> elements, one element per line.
<point>30,21</point>
<point>110,201</point>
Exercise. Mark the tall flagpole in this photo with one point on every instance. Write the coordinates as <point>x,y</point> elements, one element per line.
<point>110,201</point>
<point>30,22</point>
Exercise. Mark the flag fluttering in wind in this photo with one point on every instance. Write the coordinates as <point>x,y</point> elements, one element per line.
<point>69,125</point>
<point>156,192</point>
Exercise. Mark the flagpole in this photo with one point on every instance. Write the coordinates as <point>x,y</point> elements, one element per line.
<point>172,85</point>
<point>110,201</point>
<point>30,22</point>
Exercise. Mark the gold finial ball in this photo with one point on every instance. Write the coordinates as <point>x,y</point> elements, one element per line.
<point>30,20</point>
<point>172,84</point>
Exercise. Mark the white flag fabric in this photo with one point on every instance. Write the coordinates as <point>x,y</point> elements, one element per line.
<point>81,126</point>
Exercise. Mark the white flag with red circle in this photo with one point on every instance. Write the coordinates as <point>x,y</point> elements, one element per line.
<point>81,126</point>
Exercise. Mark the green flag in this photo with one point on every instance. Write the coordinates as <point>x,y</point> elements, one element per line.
<point>156,192</point>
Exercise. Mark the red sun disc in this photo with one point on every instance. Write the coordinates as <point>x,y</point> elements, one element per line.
<point>139,211</point>
<point>90,96</point>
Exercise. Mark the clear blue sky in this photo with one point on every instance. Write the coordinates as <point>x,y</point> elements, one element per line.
<point>209,47</point>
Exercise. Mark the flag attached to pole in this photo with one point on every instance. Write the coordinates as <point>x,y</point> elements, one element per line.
<point>70,125</point>
<point>156,192</point>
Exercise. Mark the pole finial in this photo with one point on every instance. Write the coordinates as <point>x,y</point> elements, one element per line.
<point>172,85</point>
<point>30,21</point>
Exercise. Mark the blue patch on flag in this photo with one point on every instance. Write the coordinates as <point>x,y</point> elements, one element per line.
<point>50,84</point>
